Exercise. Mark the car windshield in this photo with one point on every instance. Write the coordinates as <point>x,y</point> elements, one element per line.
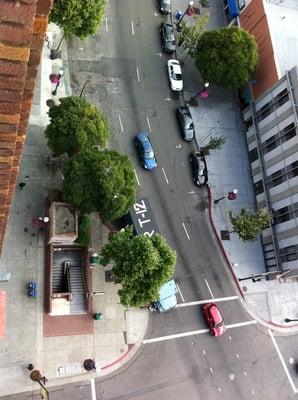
<point>218,325</point>
<point>201,171</point>
<point>177,77</point>
<point>170,37</point>
<point>149,153</point>
<point>188,125</point>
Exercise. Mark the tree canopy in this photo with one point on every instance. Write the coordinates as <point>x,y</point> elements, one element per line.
<point>190,34</point>
<point>227,57</point>
<point>142,264</point>
<point>75,126</point>
<point>78,17</point>
<point>101,181</point>
<point>250,224</point>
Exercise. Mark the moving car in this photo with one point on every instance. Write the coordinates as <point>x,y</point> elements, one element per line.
<point>165,6</point>
<point>214,319</point>
<point>145,150</point>
<point>175,75</point>
<point>199,168</point>
<point>167,37</point>
<point>186,123</point>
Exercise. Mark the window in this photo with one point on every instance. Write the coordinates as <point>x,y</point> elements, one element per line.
<point>286,213</point>
<point>277,178</point>
<point>281,98</point>
<point>289,253</point>
<point>271,144</point>
<point>288,132</point>
<point>259,188</point>
<point>253,155</point>
<point>248,123</point>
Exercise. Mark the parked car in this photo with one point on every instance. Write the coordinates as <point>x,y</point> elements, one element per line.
<point>175,75</point>
<point>186,123</point>
<point>214,319</point>
<point>165,6</point>
<point>199,168</point>
<point>167,37</point>
<point>145,150</point>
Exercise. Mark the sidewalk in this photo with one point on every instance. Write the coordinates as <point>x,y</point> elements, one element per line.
<point>114,339</point>
<point>270,301</point>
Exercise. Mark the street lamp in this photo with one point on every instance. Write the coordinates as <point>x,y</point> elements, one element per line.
<point>232,195</point>
<point>290,320</point>
<point>83,88</point>
<point>190,4</point>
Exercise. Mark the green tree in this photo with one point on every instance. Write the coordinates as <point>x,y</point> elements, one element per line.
<point>250,224</point>
<point>190,34</point>
<point>227,57</point>
<point>102,181</point>
<point>78,17</point>
<point>142,264</point>
<point>84,231</point>
<point>216,143</point>
<point>75,126</point>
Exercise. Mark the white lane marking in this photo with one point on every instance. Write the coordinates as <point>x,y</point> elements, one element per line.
<point>240,324</point>
<point>149,126</point>
<point>282,361</point>
<point>237,356</point>
<point>120,122</point>
<point>192,333</point>
<point>132,29</point>
<point>252,392</point>
<point>164,174</point>
<point>138,74</point>
<point>179,146</point>
<point>107,28</point>
<point>179,290</point>
<point>211,370</point>
<point>158,54</point>
<point>186,233</point>
<point>219,389</point>
<point>168,99</point>
<point>192,192</point>
<point>204,352</point>
<point>230,338</point>
<point>198,302</point>
<point>137,178</point>
<point>177,335</point>
<point>209,288</point>
<point>244,373</point>
<point>93,392</point>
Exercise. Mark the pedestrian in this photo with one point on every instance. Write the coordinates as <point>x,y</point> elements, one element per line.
<point>22,185</point>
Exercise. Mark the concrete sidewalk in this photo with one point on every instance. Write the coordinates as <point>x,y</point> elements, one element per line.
<point>271,301</point>
<point>115,338</point>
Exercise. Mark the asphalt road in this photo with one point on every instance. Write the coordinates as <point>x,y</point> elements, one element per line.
<point>128,81</point>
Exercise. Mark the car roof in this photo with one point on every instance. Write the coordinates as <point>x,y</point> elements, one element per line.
<point>215,313</point>
<point>144,139</point>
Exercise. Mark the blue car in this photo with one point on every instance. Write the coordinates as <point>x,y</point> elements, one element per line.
<point>145,150</point>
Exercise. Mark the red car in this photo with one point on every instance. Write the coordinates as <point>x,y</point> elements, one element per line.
<point>214,319</point>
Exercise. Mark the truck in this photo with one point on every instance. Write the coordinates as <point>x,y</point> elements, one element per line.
<point>167,297</point>
<point>141,217</point>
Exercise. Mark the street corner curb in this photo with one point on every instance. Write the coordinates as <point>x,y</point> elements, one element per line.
<point>219,241</point>
<point>123,359</point>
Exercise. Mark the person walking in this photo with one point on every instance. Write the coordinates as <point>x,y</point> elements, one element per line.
<point>22,185</point>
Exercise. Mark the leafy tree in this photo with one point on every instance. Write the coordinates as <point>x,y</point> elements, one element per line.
<point>204,3</point>
<point>249,224</point>
<point>101,181</point>
<point>78,17</point>
<point>84,231</point>
<point>216,143</point>
<point>75,126</point>
<point>190,34</point>
<point>227,57</point>
<point>142,264</point>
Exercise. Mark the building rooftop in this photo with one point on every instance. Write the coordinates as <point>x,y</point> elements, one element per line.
<point>282,17</point>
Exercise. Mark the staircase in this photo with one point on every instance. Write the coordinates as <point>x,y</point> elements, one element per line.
<point>58,279</point>
<point>77,287</point>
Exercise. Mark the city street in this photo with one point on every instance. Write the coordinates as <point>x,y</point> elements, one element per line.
<point>122,70</point>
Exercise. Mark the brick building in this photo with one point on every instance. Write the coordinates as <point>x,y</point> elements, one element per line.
<point>22,30</point>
